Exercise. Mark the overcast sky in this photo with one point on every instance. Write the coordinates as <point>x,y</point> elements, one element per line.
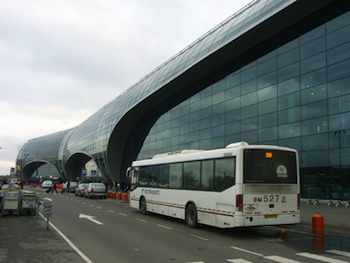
<point>61,60</point>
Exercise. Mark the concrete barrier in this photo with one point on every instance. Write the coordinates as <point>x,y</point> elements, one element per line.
<point>125,197</point>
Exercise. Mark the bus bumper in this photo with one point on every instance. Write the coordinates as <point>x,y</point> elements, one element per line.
<point>267,220</point>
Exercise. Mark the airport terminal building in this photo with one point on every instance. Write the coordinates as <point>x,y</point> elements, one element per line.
<point>276,72</point>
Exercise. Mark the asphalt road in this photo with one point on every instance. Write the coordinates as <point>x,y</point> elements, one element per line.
<point>118,233</point>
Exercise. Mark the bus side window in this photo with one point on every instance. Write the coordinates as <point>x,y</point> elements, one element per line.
<point>175,176</point>
<point>207,179</point>
<point>192,175</point>
<point>164,176</point>
<point>144,176</point>
<point>224,173</point>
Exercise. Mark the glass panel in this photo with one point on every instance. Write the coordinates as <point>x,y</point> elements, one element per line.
<point>315,159</point>
<point>315,33</point>
<point>288,101</point>
<point>175,175</point>
<point>288,116</point>
<point>312,48</point>
<point>338,22</point>
<point>192,172</point>
<point>315,126</point>
<point>249,124</point>
<point>313,94</point>
<point>249,99</point>
<point>266,170</point>
<point>294,143</point>
<point>288,86</point>
<point>339,104</point>
<point>288,58</point>
<point>338,37</point>
<point>268,120</point>
<point>164,176</point>
<point>315,142</point>
<point>288,72</point>
<point>289,130</point>
<point>313,79</point>
<point>339,122</point>
<point>338,71</point>
<point>313,63</point>
<point>268,106</point>
<point>249,111</point>
<point>314,110</point>
<point>339,87</point>
<point>224,173</point>
<point>267,93</point>
<point>207,179</point>
<point>267,80</point>
<point>268,134</point>
<point>338,54</point>
<point>267,67</point>
<point>248,87</point>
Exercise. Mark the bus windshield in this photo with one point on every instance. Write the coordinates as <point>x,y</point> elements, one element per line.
<point>269,166</point>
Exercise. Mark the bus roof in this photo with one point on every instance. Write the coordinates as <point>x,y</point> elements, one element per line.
<point>230,150</point>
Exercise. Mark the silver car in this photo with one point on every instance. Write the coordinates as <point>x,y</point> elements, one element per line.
<point>80,190</point>
<point>96,190</point>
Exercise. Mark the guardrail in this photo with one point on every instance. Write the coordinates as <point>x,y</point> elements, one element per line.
<point>330,203</point>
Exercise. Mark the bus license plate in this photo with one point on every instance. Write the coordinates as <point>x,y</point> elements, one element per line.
<point>270,216</point>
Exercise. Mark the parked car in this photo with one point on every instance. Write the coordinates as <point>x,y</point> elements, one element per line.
<point>72,187</point>
<point>47,184</point>
<point>80,190</point>
<point>96,190</point>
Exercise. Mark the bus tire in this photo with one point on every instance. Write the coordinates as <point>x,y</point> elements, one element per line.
<point>191,217</point>
<point>143,206</point>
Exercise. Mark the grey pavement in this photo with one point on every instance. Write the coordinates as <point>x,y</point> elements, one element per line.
<point>127,236</point>
<point>25,240</point>
<point>118,233</point>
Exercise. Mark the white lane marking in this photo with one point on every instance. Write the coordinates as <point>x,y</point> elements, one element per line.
<point>70,243</point>
<point>199,237</point>
<point>141,220</point>
<point>90,218</point>
<point>248,251</point>
<point>321,258</point>
<point>238,260</point>
<point>281,259</point>
<point>110,211</point>
<point>165,227</point>
<point>195,262</point>
<point>98,207</point>
<point>91,205</point>
<point>122,214</point>
<point>339,252</point>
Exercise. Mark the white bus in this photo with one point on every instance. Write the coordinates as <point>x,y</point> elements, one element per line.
<point>240,185</point>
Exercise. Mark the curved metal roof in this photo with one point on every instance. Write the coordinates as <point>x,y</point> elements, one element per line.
<point>94,134</point>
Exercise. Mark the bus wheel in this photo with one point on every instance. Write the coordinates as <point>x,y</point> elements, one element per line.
<point>143,206</point>
<point>191,215</point>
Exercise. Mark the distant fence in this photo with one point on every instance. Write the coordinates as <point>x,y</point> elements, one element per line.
<point>330,203</point>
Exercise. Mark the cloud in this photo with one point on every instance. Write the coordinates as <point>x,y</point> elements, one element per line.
<point>62,60</point>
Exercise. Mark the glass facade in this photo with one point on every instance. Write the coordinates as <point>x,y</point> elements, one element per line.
<point>298,96</point>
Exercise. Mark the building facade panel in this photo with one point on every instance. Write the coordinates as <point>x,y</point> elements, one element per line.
<point>240,81</point>
<point>298,95</point>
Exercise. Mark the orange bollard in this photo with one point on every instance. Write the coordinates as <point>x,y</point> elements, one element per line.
<point>318,224</point>
<point>318,244</point>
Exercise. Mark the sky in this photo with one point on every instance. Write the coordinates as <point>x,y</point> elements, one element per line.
<point>61,60</point>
